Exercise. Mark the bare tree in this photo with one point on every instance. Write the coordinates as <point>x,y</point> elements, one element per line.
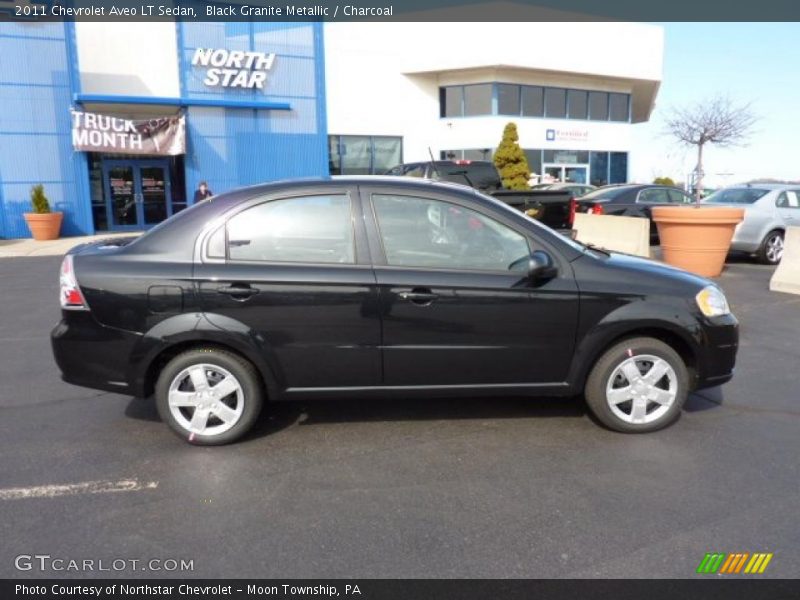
<point>714,121</point>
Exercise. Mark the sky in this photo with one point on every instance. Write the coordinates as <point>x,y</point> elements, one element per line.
<point>756,63</point>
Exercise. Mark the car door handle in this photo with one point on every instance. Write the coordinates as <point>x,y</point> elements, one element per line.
<point>421,296</point>
<point>238,292</point>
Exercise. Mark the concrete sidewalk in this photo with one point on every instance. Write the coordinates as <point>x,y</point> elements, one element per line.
<point>30,247</point>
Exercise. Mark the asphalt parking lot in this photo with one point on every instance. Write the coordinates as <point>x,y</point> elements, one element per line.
<point>455,488</point>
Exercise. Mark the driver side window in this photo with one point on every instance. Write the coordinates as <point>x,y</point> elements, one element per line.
<point>427,233</point>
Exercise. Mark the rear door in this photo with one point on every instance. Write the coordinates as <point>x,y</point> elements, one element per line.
<point>457,306</point>
<point>788,205</point>
<point>292,273</point>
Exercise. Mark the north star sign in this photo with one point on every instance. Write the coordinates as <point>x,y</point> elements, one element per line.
<point>234,68</point>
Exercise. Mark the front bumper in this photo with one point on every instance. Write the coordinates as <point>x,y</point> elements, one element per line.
<point>717,353</point>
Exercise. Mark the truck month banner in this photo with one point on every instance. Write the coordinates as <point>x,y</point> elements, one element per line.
<point>93,132</point>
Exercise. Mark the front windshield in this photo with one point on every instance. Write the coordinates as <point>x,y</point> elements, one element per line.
<point>736,196</point>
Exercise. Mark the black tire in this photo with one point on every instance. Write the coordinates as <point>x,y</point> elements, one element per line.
<point>595,390</point>
<point>763,251</point>
<point>244,372</point>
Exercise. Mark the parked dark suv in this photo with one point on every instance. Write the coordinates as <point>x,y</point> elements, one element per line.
<point>355,287</point>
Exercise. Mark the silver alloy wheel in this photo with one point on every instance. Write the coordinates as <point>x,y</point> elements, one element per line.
<point>206,399</point>
<point>775,248</point>
<point>641,389</point>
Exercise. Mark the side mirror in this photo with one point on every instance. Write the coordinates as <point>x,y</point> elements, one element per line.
<point>540,266</point>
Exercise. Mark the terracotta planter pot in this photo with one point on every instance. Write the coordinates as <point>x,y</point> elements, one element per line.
<point>44,226</point>
<point>697,238</point>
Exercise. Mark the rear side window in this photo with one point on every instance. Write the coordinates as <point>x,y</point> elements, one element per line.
<point>737,196</point>
<point>678,197</point>
<point>788,199</point>
<point>308,229</point>
<point>654,196</point>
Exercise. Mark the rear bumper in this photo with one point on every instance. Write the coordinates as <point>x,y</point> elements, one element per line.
<point>91,355</point>
<point>717,355</point>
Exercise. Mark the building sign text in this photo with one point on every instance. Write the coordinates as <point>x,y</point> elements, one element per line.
<point>234,68</point>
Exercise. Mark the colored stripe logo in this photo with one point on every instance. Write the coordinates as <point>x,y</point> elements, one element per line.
<point>734,563</point>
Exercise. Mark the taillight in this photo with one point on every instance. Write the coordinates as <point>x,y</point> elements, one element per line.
<point>70,295</point>
<point>573,207</point>
<point>597,209</point>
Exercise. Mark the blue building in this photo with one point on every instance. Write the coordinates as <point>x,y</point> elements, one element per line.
<point>248,97</point>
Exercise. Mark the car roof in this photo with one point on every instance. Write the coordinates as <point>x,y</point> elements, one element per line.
<point>304,182</point>
<point>762,186</point>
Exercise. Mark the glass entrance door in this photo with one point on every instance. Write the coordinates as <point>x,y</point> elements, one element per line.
<point>154,183</point>
<point>554,173</point>
<point>137,193</point>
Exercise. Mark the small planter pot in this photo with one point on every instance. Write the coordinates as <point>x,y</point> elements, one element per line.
<point>697,238</point>
<point>44,226</point>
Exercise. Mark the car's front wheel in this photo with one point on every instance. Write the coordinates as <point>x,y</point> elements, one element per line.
<point>638,385</point>
<point>771,250</point>
<point>209,396</point>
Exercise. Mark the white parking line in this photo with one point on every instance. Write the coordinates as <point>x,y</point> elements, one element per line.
<point>73,489</point>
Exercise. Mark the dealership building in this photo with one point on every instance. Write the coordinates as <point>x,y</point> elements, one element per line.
<point>121,121</point>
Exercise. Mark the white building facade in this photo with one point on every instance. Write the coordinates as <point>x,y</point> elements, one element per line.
<point>406,90</point>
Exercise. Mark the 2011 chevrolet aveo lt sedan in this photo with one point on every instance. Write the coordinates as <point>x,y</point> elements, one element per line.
<point>381,287</point>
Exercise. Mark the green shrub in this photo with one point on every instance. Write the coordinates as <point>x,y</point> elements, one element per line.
<point>664,181</point>
<point>511,162</point>
<point>41,205</point>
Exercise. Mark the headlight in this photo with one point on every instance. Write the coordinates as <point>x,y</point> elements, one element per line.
<point>711,302</point>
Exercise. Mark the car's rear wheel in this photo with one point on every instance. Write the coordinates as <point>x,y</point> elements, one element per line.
<point>638,385</point>
<point>209,396</point>
<point>771,250</point>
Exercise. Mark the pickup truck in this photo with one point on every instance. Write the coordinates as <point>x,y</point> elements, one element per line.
<point>554,208</point>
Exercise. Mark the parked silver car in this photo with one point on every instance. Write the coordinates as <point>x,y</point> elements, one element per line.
<point>769,210</point>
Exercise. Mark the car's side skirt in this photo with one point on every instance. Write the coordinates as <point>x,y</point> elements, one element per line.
<point>405,391</point>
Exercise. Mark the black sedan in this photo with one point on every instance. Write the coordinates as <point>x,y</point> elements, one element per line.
<point>377,287</point>
<point>632,200</point>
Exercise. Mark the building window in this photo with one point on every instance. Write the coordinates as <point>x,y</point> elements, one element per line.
<point>477,100</point>
<point>618,173</point>
<point>508,99</point>
<point>533,101</point>
<point>363,154</point>
<point>598,106</point>
<point>555,103</point>
<point>467,154</point>
<point>577,104</point>
<point>534,160</point>
<point>598,168</point>
<point>618,107</point>
<point>452,101</point>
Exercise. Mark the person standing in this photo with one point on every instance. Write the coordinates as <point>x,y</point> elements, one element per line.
<point>202,192</point>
